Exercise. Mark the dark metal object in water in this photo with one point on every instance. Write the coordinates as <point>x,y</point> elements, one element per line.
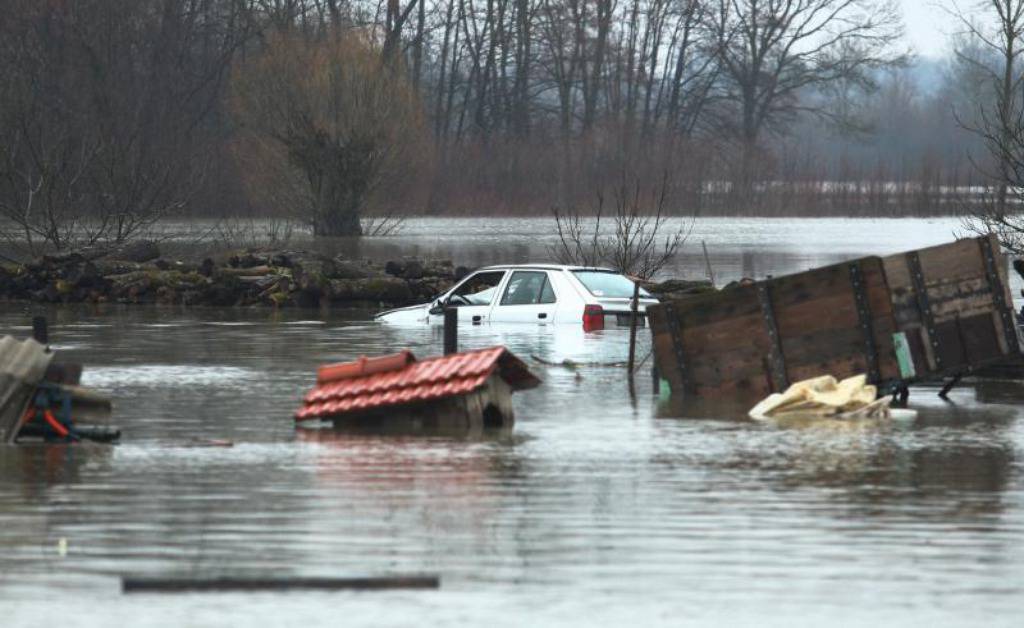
<point>178,585</point>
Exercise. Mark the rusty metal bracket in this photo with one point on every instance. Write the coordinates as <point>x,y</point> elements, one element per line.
<point>776,361</point>
<point>672,321</point>
<point>923,305</point>
<point>995,283</point>
<point>864,316</point>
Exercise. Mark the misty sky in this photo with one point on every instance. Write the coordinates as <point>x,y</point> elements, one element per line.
<point>928,25</point>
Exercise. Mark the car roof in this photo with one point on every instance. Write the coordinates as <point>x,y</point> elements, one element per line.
<point>545,267</point>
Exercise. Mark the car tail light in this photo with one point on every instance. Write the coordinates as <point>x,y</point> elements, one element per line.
<point>593,318</point>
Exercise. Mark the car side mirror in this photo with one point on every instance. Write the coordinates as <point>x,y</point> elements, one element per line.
<point>437,308</point>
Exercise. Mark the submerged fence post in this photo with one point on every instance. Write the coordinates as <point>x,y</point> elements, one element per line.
<point>632,328</point>
<point>39,330</point>
<point>707,262</point>
<point>451,330</point>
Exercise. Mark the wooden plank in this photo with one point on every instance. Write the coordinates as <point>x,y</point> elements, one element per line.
<point>225,583</point>
<point>725,334</point>
<point>841,320</point>
<point>840,366</point>
<point>703,309</point>
<point>897,273</point>
<point>952,262</point>
<point>664,352</point>
<point>981,339</point>
<point>817,322</point>
<point>719,368</point>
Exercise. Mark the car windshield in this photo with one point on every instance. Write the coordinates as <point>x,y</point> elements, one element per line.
<point>478,289</point>
<point>602,283</point>
<point>483,297</point>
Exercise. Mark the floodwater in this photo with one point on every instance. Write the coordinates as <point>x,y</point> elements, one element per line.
<point>598,508</point>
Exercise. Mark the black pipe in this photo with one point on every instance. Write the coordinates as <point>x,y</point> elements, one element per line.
<point>451,330</point>
<point>175,585</point>
<point>40,331</point>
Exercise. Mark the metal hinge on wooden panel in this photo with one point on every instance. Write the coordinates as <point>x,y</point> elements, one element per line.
<point>995,282</point>
<point>672,322</point>
<point>776,361</point>
<point>864,317</point>
<point>924,307</point>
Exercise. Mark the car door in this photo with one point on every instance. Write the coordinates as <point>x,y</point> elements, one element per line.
<point>527,297</point>
<point>474,297</point>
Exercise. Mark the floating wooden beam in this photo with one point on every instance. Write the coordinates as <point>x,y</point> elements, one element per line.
<point>369,583</point>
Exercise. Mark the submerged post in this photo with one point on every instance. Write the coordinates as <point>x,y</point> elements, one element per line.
<point>707,262</point>
<point>633,316</point>
<point>451,330</point>
<point>39,330</point>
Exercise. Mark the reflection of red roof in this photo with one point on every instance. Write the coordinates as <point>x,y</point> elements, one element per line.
<point>394,380</point>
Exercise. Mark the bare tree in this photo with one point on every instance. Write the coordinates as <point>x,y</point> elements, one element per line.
<point>774,52</point>
<point>337,112</point>
<point>634,239</point>
<point>991,51</point>
<point>103,111</point>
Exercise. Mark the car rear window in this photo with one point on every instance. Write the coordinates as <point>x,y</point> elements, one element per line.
<point>607,284</point>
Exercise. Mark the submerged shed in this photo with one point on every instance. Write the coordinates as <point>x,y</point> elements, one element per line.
<point>462,390</point>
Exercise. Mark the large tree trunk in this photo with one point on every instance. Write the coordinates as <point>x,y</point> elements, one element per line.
<point>337,213</point>
<point>337,225</point>
<point>340,179</point>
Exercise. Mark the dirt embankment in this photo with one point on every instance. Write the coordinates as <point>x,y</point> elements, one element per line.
<point>139,274</point>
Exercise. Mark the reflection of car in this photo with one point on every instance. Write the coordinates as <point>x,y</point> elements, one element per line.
<point>533,293</point>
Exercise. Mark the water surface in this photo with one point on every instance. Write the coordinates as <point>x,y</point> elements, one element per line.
<point>599,507</point>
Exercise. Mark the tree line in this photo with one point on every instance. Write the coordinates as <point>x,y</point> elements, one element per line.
<point>115,114</point>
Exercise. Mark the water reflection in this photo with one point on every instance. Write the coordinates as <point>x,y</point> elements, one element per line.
<point>42,467</point>
<point>957,459</point>
<point>343,432</point>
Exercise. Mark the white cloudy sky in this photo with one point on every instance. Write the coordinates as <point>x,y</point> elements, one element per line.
<point>928,24</point>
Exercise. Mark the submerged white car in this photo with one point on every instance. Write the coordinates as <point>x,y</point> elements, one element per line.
<point>533,293</point>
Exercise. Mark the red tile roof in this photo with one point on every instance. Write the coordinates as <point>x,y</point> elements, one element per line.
<point>394,380</point>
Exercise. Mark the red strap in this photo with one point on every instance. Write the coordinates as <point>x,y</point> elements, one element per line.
<point>55,424</point>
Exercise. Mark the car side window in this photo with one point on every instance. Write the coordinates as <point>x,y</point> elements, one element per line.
<point>478,289</point>
<point>547,293</point>
<point>528,288</point>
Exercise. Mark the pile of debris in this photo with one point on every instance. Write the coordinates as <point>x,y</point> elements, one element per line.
<point>851,398</point>
<point>140,274</point>
<point>41,399</point>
